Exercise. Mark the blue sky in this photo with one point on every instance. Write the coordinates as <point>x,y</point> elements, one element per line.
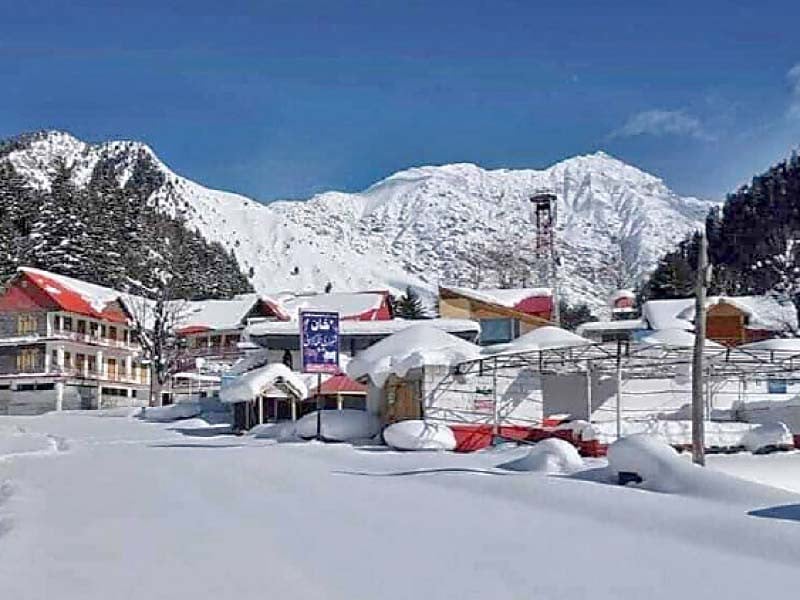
<point>285,99</point>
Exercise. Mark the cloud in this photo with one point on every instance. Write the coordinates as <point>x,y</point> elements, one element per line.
<point>793,77</point>
<point>661,123</point>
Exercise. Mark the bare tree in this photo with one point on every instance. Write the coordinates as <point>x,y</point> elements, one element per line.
<point>157,315</point>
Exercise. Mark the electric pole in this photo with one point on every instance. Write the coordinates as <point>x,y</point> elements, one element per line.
<point>698,377</point>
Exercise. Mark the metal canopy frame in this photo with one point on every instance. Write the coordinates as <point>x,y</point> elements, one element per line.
<point>638,360</point>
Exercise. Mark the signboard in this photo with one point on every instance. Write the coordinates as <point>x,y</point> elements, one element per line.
<point>319,342</point>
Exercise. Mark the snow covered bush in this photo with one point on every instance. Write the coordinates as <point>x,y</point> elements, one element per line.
<point>548,456</point>
<point>768,437</point>
<point>171,412</point>
<point>653,460</point>
<point>346,425</point>
<point>419,435</point>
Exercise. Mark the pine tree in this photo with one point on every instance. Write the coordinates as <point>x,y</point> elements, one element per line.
<point>409,306</point>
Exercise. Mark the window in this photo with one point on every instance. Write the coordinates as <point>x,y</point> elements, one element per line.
<point>26,324</point>
<point>93,329</point>
<point>67,323</point>
<point>57,322</point>
<point>112,333</point>
<point>67,360</point>
<point>112,368</point>
<point>497,331</point>
<point>82,327</point>
<point>80,360</point>
<point>27,360</point>
<point>102,331</point>
<point>216,340</point>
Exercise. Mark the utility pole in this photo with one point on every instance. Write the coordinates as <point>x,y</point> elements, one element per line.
<point>698,376</point>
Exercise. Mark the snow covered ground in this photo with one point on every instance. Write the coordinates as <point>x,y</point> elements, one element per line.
<point>122,508</point>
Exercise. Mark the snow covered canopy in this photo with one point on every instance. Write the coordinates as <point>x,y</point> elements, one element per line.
<point>542,338</point>
<point>675,338</point>
<point>253,384</point>
<point>413,347</point>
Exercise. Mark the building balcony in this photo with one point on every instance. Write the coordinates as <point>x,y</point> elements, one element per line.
<point>134,378</point>
<point>94,339</point>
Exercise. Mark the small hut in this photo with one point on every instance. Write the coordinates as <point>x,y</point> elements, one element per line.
<point>267,393</point>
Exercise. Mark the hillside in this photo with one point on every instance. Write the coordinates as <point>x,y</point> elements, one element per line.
<point>419,227</point>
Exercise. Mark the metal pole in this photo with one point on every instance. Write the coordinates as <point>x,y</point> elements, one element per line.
<point>319,406</point>
<point>698,433</point>
<point>495,407</point>
<point>589,392</point>
<point>619,390</point>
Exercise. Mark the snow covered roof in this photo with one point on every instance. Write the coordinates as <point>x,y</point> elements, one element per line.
<point>764,312</point>
<point>664,314</point>
<point>252,384</point>
<point>510,298</point>
<point>620,294</point>
<point>675,338</point>
<point>365,328</point>
<point>541,338</point>
<point>74,295</point>
<point>413,347</point>
<point>364,306</point>
<point>610,326</point>
<point>218,314</point>
<point>775,345</point>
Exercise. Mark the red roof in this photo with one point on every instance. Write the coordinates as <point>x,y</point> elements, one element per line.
<point>69,298</point>
<point>535,305</point>
<point>339,384</point>
<point>193,329</point>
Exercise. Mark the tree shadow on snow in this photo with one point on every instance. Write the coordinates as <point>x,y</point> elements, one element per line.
<point>188,445</point>
<point>786,512</point>
<point>204,432</point>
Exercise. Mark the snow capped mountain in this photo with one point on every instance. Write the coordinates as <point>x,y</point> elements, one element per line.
<point>421,227</point>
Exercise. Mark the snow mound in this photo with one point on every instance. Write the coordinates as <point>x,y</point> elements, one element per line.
<point>662,469</point>
<point>419,435</point>
<point>252,384</point>
<point>16,440</point>
<point>346,425</point>
<point>548,456</point>
<point>768,437</point>
<point>675,338</point>
<point>411,348</point>
<point>283,431</point>
<point>171,412</point>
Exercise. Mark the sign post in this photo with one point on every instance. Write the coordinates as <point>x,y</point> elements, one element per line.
<point>319,349</point>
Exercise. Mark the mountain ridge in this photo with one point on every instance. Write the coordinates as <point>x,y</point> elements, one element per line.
<point>422,226</point>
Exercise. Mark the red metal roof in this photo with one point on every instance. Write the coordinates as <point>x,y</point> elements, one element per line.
<point>535,305</point>
<point>193,329</point>
<point>339,384</point>
<point>69,299</point>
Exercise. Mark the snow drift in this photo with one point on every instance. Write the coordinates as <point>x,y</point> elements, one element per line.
<point>282,431</point>
<point>419,435</point>
<point>171,412</point>
<point>768,437</point>
<point>548,456</point>
<point>348,425</point>
<point>17,440</point>
<point>662,469</point>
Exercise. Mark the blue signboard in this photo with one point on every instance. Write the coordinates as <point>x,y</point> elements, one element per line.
<point>319,342</point>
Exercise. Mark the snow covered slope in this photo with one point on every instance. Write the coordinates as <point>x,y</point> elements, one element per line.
<point>418,227</point>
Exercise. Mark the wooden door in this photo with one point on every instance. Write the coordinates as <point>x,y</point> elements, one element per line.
<point>406,403</point>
